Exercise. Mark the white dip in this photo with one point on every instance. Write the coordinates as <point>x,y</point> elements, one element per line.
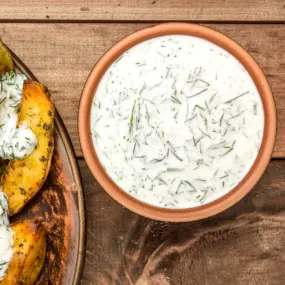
<point>15,143</point>
<point>177,121</point>
<point>6,236</point>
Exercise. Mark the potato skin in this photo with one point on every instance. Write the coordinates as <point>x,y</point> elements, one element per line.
<point>6,61</point>
<point>29,253</point>
<point>24,178</point>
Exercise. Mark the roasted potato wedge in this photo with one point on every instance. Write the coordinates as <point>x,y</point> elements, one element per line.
<point>24,178</point>
<point>6,61</point>
<point>29,254</point>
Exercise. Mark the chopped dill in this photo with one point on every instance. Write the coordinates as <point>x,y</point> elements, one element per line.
<point>174,153</point>
<point>221,119</point>
<point>198,106</point>
<point>190,184</point>
<point>132,117</point>
<point>199,93</point>
<point>235,98</point>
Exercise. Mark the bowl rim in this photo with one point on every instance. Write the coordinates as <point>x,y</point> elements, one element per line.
<point>225,201</point>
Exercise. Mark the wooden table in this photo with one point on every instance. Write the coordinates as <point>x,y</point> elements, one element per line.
<point>60,41</point>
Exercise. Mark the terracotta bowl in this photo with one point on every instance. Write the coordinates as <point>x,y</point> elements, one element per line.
<point>199,212</point>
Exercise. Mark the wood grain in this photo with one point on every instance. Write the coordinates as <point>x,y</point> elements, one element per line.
<point>143,10</point>
<point>62,55</point>
<point>243,245</point>
<point>60,41</point>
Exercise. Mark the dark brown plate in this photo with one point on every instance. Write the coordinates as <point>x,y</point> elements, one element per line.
<point>60,205</point>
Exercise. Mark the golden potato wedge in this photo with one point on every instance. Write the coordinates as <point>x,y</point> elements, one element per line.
<point>24,178</point>
<point>6,61</point>
<point>29,254</point>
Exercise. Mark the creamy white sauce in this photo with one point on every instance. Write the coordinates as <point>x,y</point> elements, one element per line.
<point>177,121</point>
<point>3,209</point>
<point>6,249</point>
<point>15,143</point>
<point>6,236</point>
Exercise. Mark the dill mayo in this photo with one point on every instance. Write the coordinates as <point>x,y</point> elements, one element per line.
<point>6,236</point>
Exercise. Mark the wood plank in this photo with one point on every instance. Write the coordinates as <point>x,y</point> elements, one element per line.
<point>62,55</point>
<point>144,10</point>
<point>243,245</point>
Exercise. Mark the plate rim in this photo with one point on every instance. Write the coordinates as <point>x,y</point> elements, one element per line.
<point>76,174</point>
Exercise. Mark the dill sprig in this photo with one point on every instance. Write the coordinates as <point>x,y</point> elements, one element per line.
<point>134,148</point>
<point>216,146</point>
<point>174,169</point>
<point>171,146</point>
<point>3,100</point>
<point>205,134</point>
<point>175,100</point>
<point>167,73</point>
<point>199,93</point>
<point>198,106</point>
<point>231,149</point>
<point>213,97</point>
<point>98,120</point>
<point>190,184</point>
<point>96,134</point>
<point>159,174</point>
<point>237,115</point>
<point>221,119</point>
<point>161,180</point>
<point>179,185</point>
<point>233,99</point>
<point>190,119</point>
<point>143,88</point>
<point>132,118</point>
<point>205,192</point>
<point>197,141</point>
<point>255,109</point>
<point>207,107</point>
<point>201,80</point>
<point>140,64</point>
<point>175,154</point>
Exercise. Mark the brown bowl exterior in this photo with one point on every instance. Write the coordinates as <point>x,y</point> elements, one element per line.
<point>189,214</point>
